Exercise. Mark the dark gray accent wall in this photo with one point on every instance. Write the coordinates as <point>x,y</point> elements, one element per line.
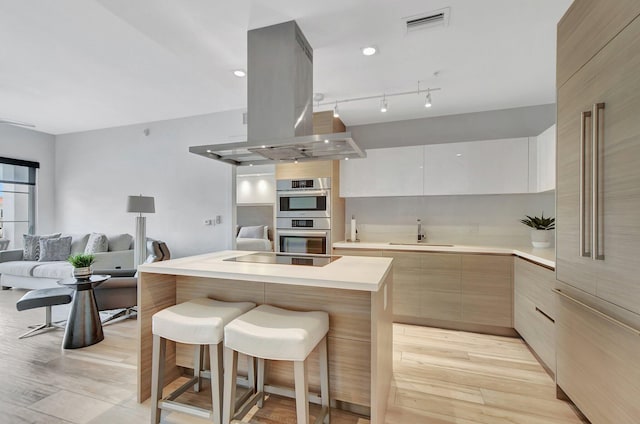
<point>491,125</point>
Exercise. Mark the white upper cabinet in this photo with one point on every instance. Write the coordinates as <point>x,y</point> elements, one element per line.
<point>394,171</point>
<point>477,167</point>
<point>256,189</point>
<point>546,160</point>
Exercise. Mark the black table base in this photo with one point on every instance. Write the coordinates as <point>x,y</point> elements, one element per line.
<point>84,327</point>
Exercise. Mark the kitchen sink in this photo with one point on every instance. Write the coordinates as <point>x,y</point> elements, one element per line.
<point>421,244</point>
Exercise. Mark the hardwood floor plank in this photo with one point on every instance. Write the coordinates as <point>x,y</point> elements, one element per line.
<point>439,377</point>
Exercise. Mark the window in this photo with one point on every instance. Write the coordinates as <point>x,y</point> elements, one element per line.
<point>17,199</point>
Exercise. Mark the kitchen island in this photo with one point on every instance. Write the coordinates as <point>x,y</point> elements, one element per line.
<point>355,291</point>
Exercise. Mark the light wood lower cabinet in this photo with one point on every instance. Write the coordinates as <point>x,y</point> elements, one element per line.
<point>454,290</point>
<point>598,362</point>
<point>487,290</point>
<point>460,291</point>
<point>535,309</point>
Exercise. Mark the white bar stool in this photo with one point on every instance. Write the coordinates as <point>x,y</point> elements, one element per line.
<point>198,322</point>
<point>267,332</point>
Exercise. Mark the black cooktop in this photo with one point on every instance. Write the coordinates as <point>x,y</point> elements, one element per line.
<point>285,259</point>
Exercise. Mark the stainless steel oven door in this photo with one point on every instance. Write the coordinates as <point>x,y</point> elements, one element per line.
<point>304,204</point>
<point>302,241</point>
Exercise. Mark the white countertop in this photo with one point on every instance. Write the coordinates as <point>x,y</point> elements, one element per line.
<point>348,272</point>
<point>546,257</point>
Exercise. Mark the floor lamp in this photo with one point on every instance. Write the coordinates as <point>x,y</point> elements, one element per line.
<point>140,204</point>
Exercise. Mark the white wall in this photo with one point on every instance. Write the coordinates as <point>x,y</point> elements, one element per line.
<point>25,144</point>
<point>472,219</point>
<point>97,170</point>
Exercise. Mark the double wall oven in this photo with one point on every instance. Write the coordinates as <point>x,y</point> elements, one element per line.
<point>303,218</point>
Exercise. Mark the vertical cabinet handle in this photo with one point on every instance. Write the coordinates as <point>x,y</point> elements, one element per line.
<point>584,250</point>
<point>597,251</point>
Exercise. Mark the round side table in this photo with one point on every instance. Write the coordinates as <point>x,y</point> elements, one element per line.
<point>84,327</point>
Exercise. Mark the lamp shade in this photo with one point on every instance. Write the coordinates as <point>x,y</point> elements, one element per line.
<point>141,204</point>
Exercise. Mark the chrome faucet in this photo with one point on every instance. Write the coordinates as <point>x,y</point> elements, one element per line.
<point>421,236</point>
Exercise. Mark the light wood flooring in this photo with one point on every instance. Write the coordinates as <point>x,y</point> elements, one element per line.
<point>440,377</point>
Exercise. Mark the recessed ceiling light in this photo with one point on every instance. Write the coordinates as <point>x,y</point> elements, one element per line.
<point>209,151</point>
<point>326,141</point>
<point>240,73</point>
<point>458,154</point>
<point>250,164</point>
<point>346,158</point>
<point>369,51</point>
<point>264,147</point>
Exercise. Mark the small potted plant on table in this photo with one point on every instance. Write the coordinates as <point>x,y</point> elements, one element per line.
<point>82,265</point>
<point>541,230</point>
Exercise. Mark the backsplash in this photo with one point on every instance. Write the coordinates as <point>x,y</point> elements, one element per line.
<point>489,220</point>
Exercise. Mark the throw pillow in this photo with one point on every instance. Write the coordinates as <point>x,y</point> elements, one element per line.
<point>256,232</point>
<point>55,249</point>
<point>97,243</point>
<point>120,242</point>
<point>31,243</point>
<point>78,242</point>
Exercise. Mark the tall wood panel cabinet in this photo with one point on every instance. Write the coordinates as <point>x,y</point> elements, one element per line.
<point>598,204</point>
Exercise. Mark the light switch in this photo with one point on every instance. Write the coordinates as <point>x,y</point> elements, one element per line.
<point>218,219</point>
<point>208,222</point>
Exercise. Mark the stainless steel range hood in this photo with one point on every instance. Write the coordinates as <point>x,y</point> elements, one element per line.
<point>279,105</point>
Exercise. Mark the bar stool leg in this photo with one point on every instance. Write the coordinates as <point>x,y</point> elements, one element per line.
<point>324,377</point>
<point>230,374</point>
<point>260,388</point>
<point>157,375</point>
<point>215,359</point>
<point>197,366</point>
<point>302,391</point>
<point>251,372</point>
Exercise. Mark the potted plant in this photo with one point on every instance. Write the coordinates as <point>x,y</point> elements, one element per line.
<point>82,264</point>
<point>541,227</point>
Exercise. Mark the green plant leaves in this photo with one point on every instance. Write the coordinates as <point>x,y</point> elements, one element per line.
<point>540,223</point>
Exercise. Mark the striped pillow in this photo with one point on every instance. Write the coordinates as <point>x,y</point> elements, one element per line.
<point>31,243</point>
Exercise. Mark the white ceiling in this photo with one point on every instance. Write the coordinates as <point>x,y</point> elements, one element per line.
<point>74,65</point>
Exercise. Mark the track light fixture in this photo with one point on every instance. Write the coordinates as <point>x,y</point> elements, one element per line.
<point>384,107</point>
<point>427,101</point>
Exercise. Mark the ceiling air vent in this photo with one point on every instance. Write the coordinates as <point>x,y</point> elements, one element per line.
<point>427,20</point>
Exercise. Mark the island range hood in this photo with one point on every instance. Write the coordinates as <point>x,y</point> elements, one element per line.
<point>280,105</point>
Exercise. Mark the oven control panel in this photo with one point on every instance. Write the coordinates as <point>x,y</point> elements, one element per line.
<point>304,223</point>
<point>304,184</point>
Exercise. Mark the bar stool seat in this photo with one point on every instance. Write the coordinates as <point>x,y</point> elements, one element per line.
<point>271,333</point>
<point>198,322</point>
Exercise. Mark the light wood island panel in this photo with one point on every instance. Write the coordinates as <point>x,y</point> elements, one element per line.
<point>360,334</point>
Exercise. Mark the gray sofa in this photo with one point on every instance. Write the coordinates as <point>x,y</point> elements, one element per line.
<point>18,273</point>
<point>120,292</point>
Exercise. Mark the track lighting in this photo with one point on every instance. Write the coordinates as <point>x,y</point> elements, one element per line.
<point>427,101</point>
<point>383,105</point>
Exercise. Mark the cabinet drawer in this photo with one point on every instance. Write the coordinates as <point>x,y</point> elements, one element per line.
<point>597,363</point>
<point>536,283</point>
<point>537,329</point>
<point>586,28</point>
